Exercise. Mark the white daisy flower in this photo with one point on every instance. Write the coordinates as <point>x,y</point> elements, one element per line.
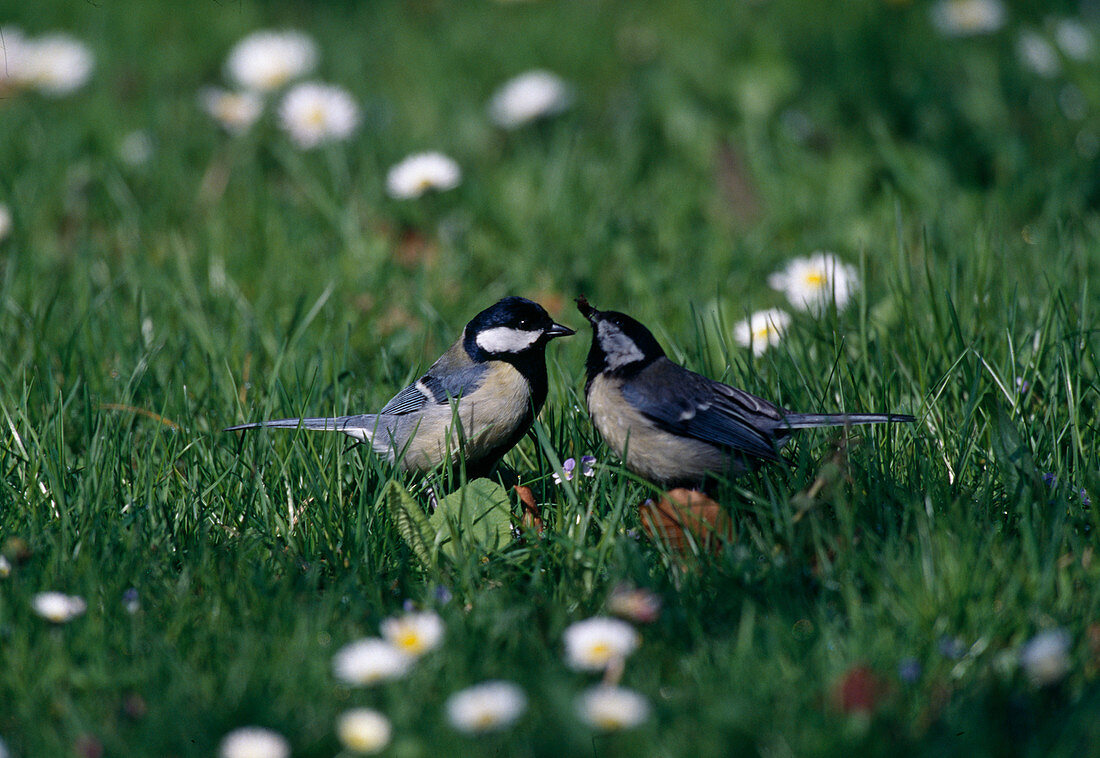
<point>420,173</point>
<point>254,742</point>
<point>612,708</point>
<point>266,60</point>
<point>363,731</point>
<point>56,64</point>
<point>595,643</point>
<point>369,661</point>
<point>1045,657</point>
<point>12,44</point>
<point>5,565</point>
<point>968,18</point>
<point>1037,55</point>
<point>762,329</point>
<point>811,283</point>
<point>414,633</point>
<point>58,607</point>
<point>235,111</point>
<point>1074,39</point>
<point>527,97</point>
<point>5,221</point>
<point>313,113</point>
<point>486,707</point>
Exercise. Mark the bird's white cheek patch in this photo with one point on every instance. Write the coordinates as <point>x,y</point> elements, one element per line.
<point>619,349</point>
<point>505,339</point>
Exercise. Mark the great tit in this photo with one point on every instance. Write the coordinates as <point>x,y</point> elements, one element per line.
<point>674,426</point>
<point>477,400</point>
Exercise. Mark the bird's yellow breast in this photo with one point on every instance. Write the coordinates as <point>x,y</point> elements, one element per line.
<point>487,418</point>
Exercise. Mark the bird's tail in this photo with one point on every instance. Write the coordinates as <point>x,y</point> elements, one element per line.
<point>810,420</point>
<point>361,427</point>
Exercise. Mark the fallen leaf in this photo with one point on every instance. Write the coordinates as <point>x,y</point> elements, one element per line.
<point>532,515</point>
<point>686,520</point>
<point>859,691</point>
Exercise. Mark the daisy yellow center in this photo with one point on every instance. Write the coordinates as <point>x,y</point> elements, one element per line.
<point>316,116</point>
<point>763,332</point>
<point>424,184</point>
<point>608,721</point>
<point>600,651</point>
<point>816,278</point>
<point>409,640</point>
<point>485,719</point>
<point>275,79</point>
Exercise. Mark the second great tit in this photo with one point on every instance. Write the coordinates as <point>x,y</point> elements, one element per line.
<point>477,400</point>
<point>676,427</point>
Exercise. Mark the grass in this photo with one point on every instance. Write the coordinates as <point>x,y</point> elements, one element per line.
<point>144,308</point>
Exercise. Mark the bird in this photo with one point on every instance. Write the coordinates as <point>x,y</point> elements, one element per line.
<point>492,382</point>
<point>675,427</point>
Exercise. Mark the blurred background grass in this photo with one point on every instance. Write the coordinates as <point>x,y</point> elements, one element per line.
<point>226,279</point>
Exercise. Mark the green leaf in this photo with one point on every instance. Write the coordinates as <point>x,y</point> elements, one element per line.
<point>475,519</point>
<point>412,522</point>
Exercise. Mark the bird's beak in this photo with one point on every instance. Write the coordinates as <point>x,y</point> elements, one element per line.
<point>586,309</point>
<point>558,330</point>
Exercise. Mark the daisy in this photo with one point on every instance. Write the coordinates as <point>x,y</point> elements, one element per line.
<point>811,283</point>
<point>486,707</point>
<point>254,742</point>
<point>56,64</point>
<point>313,113</point>
<point>595,643</point>
<point>5,565</point>
<point>1045,657</point>
<point>5,221</point>
<point>1037,55</point>
<point>569,466</point>
<point>967,18</point>
<point>369,661</point>
<point>267,60</point>
<point>58,607</point>
<point>1074,39</point>
<point>364,731</point>
<point>414,633</point>
<point>762,329</point>
<point>235,111</point>
<point>612,708</point>
<point>136,148</point>
<point>12,56</point>
<point>420,173</point>
<point>527,97</point>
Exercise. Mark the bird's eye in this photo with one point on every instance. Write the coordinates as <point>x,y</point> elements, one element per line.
<point>524,324</point>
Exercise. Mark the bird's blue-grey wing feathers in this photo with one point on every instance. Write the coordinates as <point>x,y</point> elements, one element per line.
<point>690,405</point>
<point>450,377</point>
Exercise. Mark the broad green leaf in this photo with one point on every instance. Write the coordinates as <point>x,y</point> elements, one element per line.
<point>411,522</point>
<point>476,518</point>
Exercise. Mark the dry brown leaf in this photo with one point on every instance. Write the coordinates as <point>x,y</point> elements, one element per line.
<point>684,518</point>
<point>532,515</point>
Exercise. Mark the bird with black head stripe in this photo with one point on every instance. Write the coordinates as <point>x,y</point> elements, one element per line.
<point>477,400</point>
<point>675,427</point>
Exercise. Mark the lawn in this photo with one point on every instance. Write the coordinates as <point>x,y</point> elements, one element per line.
<point>882,592</point>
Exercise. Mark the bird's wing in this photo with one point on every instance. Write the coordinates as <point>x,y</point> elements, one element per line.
<point>449,377</point>
<point>685,403</point>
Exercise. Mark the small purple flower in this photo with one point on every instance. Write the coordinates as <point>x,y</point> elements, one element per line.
<point>130,600</point>
<point>1050,479</point>
<point>909,670</point>
<point>1023,386</point>
<point>442,594</point>
<point>569,466</point>
<point>951,647</point>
